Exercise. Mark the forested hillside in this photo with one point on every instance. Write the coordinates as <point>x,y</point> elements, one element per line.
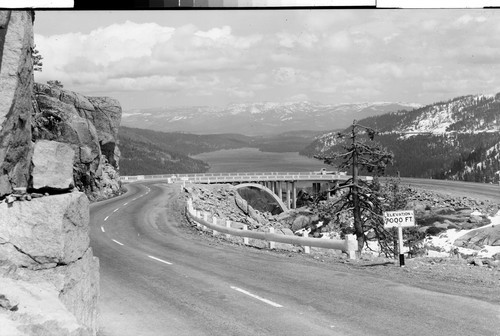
<point>458,139</point>
<point>152,152</point>
<point>185,143</point>
<point>140,156</point>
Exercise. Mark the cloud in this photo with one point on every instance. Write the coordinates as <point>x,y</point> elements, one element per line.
<point>285,75</point>
<point>385,69</point>
<point>466,19</point>
<point>331,56</point>
<point>299,97</point>
<point>340,41</point>
<point>304,40</point>
<point>240,93</point>
<point>216,33</point>
<point>125,56</point>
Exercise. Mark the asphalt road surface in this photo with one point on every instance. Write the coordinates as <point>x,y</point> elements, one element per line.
<point>158,278</point>
<point>480,191</point>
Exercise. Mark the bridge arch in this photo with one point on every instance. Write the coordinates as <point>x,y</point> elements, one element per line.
<point>269,191</point>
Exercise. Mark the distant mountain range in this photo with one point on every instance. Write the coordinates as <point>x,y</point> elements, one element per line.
<point>257,118</point>
<point>456,139</point>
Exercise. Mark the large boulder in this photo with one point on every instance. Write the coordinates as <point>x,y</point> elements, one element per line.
<point>52,165</point>
<point>16,81</point>
<point>49,244</point>
<point>47,230</point>
<point>480,237</point>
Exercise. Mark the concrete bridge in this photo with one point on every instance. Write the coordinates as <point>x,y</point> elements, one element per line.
<point>281,185</point>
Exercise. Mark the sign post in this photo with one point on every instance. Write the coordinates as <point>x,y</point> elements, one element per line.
<point>399,219</point>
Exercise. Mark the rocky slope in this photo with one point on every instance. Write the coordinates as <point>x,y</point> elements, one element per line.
<point>256,118</point>
<point>90,125</point>
<point>442,270</point>
<point>435,214</point>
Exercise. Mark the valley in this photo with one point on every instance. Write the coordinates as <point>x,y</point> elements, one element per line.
<point>458,139</point>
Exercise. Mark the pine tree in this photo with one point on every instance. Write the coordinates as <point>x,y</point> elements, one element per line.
<point>358,156</point>
<point>37,59</point>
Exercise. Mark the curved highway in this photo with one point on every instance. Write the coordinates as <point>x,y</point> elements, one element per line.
<point>160,277</point>
<point>480,191</point>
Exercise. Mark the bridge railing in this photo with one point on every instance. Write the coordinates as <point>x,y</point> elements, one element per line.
<point>206,219</point>
<point>243,177</point>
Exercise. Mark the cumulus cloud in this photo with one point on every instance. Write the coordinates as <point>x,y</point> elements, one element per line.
<point>216,33</point>
<point>135,56</point>
<point>328,55</point>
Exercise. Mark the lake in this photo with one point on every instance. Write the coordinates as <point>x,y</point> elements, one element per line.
<point>244,160</point>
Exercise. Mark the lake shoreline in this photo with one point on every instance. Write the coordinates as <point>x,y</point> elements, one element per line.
<point>244,160</point>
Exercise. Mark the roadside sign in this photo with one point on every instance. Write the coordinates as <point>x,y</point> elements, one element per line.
<point>402,218</point>
<point>399,219</point>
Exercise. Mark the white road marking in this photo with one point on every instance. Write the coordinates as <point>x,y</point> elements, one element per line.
<point>116,241</point>
<point>125,203</point>
<point>116,210</point>
<point>269,302</point>
<point>102,229</point>
<point>160,260</point>
<point>106,218</point>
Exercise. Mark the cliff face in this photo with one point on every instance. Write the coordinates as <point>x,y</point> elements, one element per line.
<point>49,278</point>
<point>16,80</point>
<point>90,126</point>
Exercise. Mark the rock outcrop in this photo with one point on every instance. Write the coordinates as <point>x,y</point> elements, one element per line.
<point>49,246</point>
<point>16,81</point>
<point>49,278</point>
<point>90,126</point>
<point>38,311</point>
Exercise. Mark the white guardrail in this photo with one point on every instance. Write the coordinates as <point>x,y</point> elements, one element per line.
<point>206,219</point>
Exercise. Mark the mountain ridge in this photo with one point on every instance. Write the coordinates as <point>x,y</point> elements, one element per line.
<point>253,119</point>
<point>456,139</point>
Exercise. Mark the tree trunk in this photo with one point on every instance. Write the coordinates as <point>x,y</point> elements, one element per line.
<point>358,227</point>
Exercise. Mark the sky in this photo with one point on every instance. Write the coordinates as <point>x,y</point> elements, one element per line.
<point>163,58</point>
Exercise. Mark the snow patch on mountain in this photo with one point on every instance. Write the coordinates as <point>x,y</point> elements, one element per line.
<point>258,118</point>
